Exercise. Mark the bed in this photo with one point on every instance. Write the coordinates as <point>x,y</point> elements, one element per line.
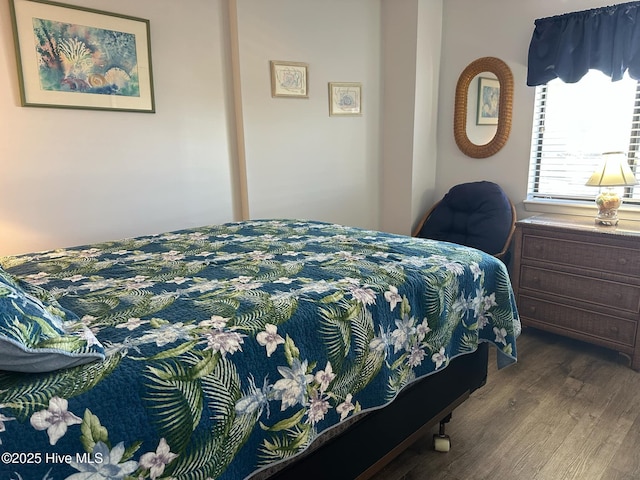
<point>232,351</point>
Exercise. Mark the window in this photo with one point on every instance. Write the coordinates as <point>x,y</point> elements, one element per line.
<point>574,123</point>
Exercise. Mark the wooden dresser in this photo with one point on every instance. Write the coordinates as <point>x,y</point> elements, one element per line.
<point>579,279</point>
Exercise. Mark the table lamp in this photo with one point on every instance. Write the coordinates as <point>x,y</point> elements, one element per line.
<point>614,172</point>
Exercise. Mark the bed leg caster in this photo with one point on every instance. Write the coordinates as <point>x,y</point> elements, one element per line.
<point>441,441</point>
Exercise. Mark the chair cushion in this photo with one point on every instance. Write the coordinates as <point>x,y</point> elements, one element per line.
<point>476,214</point>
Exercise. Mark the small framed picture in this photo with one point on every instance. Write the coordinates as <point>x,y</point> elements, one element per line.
<point>488,101</point>
<point>289,79</point>
<point>76,57</point>
<point>345,98</point>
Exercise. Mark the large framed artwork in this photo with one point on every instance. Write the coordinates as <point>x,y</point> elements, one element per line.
<point>76,57</point>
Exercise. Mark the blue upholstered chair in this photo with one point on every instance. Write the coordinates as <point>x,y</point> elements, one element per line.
<point>475,214</point>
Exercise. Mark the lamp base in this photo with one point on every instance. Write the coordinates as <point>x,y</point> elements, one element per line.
<point>608,203</point>
<point>607,222</point>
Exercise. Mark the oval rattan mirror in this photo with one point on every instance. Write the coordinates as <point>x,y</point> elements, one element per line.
<point>505,77</point>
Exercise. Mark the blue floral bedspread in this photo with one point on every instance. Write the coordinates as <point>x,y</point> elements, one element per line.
<point>231,347</point>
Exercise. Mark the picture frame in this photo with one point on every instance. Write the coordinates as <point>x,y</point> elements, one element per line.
<point>345,99</point>
<point>289,79</point>
<point>60,52</point>
<point>488,101</point>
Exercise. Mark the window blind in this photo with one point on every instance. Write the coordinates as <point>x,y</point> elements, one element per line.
<point>573,125</point>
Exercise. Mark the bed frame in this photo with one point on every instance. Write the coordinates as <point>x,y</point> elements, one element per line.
<point>371,443</point>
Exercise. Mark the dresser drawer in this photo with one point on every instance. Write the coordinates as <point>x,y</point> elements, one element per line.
<point>593,256</point>
<point>584,322</point>
<point>591,290</point>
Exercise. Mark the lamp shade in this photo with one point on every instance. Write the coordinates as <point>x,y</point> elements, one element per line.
<point>614,172</point>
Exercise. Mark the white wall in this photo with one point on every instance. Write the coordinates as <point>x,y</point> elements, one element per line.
<point>498,28</point>
<point>302,163</point>
<point>400,32</point>
<point>411,67</point>
<point>75,176</point>
<point>425,146</point>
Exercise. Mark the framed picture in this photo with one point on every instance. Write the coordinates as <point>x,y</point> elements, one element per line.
<point>76,57</point>
<point>488,96</point>
<point>289,79</point>
<point>345,98</point>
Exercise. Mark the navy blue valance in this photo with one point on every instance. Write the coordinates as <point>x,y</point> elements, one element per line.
<point>567,46</point>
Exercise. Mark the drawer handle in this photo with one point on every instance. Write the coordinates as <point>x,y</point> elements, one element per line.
<point>532,309</point>
<point>618,296</point>
<point>613,329</point>
<point>622,261</point>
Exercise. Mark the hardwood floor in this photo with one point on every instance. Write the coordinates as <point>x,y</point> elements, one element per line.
<point>566,410</point>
